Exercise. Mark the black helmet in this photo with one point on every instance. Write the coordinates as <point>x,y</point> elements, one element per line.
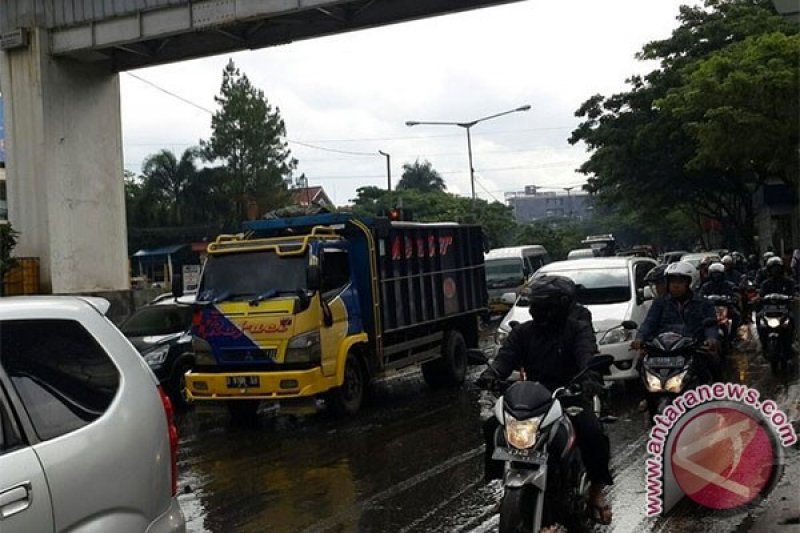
<point>775,266</point>
<point>656,275</point>
<point>550,298</point>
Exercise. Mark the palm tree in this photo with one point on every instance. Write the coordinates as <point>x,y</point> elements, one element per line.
<point>168,177</point>
<point>421,177</point>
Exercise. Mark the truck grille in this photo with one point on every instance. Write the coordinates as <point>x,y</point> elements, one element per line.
<point>251,355</point>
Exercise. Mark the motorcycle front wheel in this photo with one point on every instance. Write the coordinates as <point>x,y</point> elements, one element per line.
<point>516,509</point>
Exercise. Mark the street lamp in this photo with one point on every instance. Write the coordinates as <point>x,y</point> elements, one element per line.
<point>467,126</point>
<point>388,170</point>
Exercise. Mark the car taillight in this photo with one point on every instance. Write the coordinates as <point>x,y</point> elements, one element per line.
<point>172,429</point>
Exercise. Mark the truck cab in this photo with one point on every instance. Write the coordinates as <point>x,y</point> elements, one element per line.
<point>314,306</point>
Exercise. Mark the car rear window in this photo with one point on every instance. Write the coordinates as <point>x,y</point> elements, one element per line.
<point>62,375</point>
<point>158,320</point>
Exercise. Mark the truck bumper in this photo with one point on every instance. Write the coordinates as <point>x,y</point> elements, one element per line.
<point>271,385</point>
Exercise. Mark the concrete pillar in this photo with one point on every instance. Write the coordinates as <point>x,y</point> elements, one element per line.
<point>64,160</point>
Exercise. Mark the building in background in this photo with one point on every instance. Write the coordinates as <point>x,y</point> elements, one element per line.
<point>535,204</point>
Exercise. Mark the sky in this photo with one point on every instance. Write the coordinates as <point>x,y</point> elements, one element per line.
<point>354,93</point>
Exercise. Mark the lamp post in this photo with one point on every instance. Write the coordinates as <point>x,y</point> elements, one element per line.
<point>467,126</point>
<point>388,170</point>
<point>569,199</point>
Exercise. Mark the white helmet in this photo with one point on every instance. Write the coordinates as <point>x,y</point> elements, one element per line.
<point>716,267</point>
<point>682,269</point>
<point>727,260</point>
<point>774,261</point>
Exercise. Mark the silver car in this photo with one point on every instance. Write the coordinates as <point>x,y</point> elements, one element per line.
<point>613,289</point>
<point>87,440</point>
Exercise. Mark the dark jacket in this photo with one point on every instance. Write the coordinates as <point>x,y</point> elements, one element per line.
<point>733,276</point>
<point>550,355</point>
<point>668,314</point>
<point>722,287</point>
<point>782,285</point>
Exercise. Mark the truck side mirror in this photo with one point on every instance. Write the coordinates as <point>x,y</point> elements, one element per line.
<point>508,298</point>
<point>177,285</point>
<point>629,325</point>
<point>313,277</point>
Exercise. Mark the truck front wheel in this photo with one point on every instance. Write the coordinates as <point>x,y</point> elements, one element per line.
<point>346,400</point>
<point>451,368</point>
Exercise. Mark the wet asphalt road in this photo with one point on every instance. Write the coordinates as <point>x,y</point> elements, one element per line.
<point>411,462</point>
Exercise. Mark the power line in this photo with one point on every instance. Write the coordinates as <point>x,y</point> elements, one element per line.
<point>478,181</point>
<point>198,106</point>
<point>165,91</point>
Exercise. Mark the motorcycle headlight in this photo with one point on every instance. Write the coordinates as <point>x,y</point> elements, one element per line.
<point>304,348</point>
<point>675,383</point>
<point>616,336</point>
<point>157,356</point>
<point>773,322</point>
<point>522,434</point>
<point>500,336</point>
<point>653,382</point>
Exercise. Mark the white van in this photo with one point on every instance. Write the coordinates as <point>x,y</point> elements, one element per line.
<point>508,269</point>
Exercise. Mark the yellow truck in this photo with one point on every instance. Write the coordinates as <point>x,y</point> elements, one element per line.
<point>316,306</point>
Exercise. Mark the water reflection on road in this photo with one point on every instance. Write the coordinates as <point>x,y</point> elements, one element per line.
<point>411,461</point>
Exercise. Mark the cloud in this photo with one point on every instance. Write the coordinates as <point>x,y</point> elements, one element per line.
<point>354,92</point>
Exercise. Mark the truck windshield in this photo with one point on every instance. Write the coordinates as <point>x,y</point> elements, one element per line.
<point>251,275</point>
<point>503,273</point>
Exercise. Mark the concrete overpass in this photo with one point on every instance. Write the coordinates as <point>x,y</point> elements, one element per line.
<point>59,61</point>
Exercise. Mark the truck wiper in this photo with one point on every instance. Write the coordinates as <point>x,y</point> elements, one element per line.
<point>263,296</point>
<point>271,293</point>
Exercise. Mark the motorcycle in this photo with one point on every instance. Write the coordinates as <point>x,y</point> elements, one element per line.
<point>723,308</point>
<point>545,481</point>
<point>670,367</point>
<point>749,299</point>
<point>776,326</point>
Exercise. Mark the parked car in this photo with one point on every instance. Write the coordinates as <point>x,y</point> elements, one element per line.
<point>87,440</point>
<point>613,289</point>
<point>508,269</point>
<point>695,258</point>
<point>673,257</point>
<point>161,333</point>
<point>582,253</point>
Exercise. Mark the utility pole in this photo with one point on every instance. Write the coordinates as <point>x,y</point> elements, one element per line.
<point>388,169</point>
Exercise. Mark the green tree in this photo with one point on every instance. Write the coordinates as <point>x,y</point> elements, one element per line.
<point>248,136</point>
<point>646,150</point>
<point>8,241</point>
<point>420,177</point>
<point>735,106</point>
<point>168,177</point>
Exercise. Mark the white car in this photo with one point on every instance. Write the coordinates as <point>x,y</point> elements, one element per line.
<point>613,289</point>
<point>87,439</point>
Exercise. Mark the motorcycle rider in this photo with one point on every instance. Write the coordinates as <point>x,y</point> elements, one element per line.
<point>681,311</point>
<point>717,284</point>
<point>731,273</point>
<point>553,348</point>
<point>777,281</point>
<point>702,273</point>
<point>657,281</point>
<point>762,274</point>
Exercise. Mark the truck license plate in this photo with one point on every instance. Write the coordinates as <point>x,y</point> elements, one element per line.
<point>243,382</point>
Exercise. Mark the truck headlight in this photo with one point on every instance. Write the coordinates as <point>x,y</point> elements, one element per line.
<point>157,356</point>
<point>675,383</point>
<point>305,348</point>
<point>616,336</point>
<point>653,382</point>
<point>203,355</point>
<point>522,434</point>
